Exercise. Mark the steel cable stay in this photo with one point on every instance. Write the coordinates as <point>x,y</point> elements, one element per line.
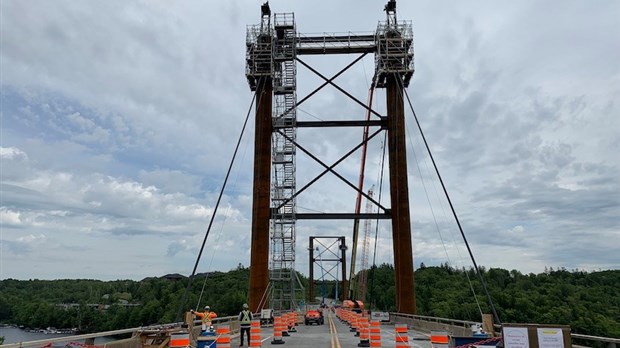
<point>358,200</point>
<point>380,181</point>
<point>451,230</point>
<point>219,233</point>
<point>215,209</point>
<point>481,278</point>
<point>430,204</point>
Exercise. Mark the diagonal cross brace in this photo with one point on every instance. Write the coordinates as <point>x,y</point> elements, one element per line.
<point>338,88</point>
<point>324,84</point>
<point>331,169</point>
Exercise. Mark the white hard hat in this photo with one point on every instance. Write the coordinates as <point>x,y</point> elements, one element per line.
<point>207,308</point>
<point>245,305</point>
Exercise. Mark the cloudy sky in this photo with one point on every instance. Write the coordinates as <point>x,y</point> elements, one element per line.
<point>119,119</point>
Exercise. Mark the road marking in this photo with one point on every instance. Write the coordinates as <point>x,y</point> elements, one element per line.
<point>333,332</point>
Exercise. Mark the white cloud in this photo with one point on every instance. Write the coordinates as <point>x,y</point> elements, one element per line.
<point>9,217</point>
<point>32,239</point>
<point>119,121</point>
<point>11,153</point>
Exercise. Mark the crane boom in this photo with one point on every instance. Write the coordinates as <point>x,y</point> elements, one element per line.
<point>363,281</point>
<point>358,201</point>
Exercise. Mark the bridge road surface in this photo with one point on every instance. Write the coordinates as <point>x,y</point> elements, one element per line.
<point>333,334</point>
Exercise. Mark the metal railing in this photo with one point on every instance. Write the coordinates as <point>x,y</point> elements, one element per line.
<point>610,342</point>
<point>233,321</point>
<point>466,324</point>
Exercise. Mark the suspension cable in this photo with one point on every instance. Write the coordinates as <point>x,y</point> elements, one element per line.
<point>374,254</point>
<point>441,237</point>
<point>217,204</point>
<point>471,255</point>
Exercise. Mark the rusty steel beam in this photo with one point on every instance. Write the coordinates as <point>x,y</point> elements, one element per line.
<point>399,195</point>
<point>259,259</point>
<point>341,216</point>
<point>337,123</point>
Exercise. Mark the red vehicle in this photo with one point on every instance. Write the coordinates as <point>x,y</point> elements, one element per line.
<point>313,316</point>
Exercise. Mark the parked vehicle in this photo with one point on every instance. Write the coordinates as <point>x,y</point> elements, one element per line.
<point>314,315</point>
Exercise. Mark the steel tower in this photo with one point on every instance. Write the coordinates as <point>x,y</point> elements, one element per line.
<point>273,49</point>
<point>271,69</point>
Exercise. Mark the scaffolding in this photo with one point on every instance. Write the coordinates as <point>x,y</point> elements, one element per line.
<point>394,48</point>
<point>258,50</point>
<point>282,274</point>
<point>270,54</point>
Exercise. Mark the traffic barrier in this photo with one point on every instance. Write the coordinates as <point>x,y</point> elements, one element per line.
<point>255,340</point>
<point>179,340</point>
<point>277,331</point>
<point>284,324</point>
<point>358,323</point>
<point>375,333</point>
<point>223,336</point>
<point>353,322</point>
<point>348,317</point>
<point>402,340</point>
<point>292,317</point>
<point>364,332</point>
<point>439,339</point>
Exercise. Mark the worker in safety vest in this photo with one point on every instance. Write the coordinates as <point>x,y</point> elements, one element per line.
<point>205,317</point>
<point>245,321</point>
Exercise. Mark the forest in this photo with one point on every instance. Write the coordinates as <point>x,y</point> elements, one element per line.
<point>587,301</point>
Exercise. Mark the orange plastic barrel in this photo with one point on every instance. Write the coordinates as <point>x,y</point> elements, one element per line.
<point>439,339</point>
<point>364,332</point>
<point>179,340</point>
<point>277,331</point>
<point>375,334</point>
<point>255,340</point>
<point>402,339</point>
<point>223,336</point>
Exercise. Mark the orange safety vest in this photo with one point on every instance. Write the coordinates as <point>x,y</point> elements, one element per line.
<point>206,316</point>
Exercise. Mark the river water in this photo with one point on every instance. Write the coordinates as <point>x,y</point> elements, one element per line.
<point>16,335</point>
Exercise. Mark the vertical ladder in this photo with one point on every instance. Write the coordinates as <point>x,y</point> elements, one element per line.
<point>282,275</point>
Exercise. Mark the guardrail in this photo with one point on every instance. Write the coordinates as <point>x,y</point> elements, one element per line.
<point>69,338</point>
<point>611,342</point>
<point>232,320</point>
<point>466,324</point>
<point>234,323</point>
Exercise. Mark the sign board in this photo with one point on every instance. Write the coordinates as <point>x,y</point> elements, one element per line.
<point>550,338</point>
<point>266,316</point>
<point>380,316</point>
<point>536,336</point>
<point>515,337</point>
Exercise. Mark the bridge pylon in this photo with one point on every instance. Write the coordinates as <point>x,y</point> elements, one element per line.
<point>273,51</point>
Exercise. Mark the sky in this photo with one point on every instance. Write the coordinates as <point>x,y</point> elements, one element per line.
<point>119,120</point>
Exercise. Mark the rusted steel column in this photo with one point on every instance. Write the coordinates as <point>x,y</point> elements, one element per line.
<point>343,257</point>
<point>311,271</point>
<point>259,260</point>
<point>399,192</point>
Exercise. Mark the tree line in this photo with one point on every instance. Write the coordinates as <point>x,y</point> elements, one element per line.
<point>587,301</point>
